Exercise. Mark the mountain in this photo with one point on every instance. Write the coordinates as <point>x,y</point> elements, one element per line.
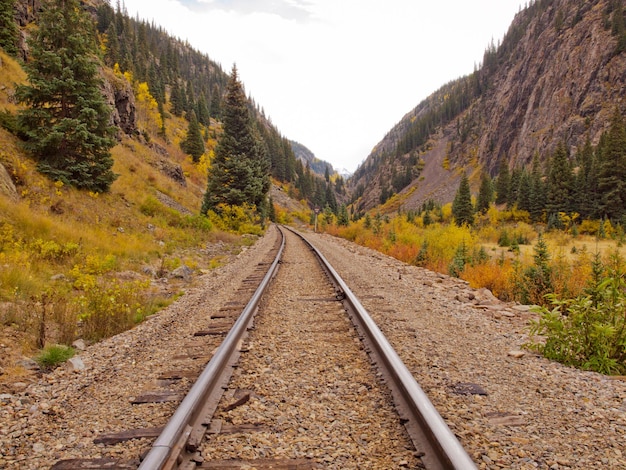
<point>303,154</point>
<point>557,76</point>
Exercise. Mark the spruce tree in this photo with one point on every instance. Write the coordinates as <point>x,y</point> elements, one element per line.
<point>216,103</point>
<point>239,172</point>
<point>176,100</point>
<point>516,176</point>
<point>193,144</point>
<point>462,209</point>
<point>612,175</point>
<point>485,194</point>
<point>67,119</point>
<point>560,182</point>
<point>202,111</point>
<point>587,196</point>
<point>8,27</point>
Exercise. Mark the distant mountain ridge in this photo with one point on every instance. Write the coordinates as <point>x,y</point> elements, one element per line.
<point>307,157</point>
<point>557,76</point>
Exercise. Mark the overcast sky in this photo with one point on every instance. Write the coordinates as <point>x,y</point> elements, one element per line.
<point>336,75</point>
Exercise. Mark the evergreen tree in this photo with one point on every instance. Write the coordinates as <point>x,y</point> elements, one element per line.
<point>343,219</point>
<point>462,209</point>
<point>503,183</point>
<point>190,98</point>
<point>516,176</point>
<point>202,111</point>
<point>271,210</point>
<point>485,194</point>
<point>67,118</point>
<point>193,144</point>
<point>8,27</point>
<point>559,184</point>
<point>586,193</point>
<point>612,176</point>
<point>239,172</point>
<point>176,100</point>
<point>113,45</point>
<point>216,103</point>
<point>331,201</point>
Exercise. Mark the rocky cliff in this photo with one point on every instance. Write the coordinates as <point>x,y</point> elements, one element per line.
<point>557,76</point>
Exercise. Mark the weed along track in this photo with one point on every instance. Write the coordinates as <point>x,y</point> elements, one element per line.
<point>288,384</point>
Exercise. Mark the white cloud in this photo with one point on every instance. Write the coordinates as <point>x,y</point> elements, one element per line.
<point>336,75</point>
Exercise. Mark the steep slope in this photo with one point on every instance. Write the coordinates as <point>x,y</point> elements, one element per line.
<point>557,76</point>
<point>305,155</point>
<point>67,252</point>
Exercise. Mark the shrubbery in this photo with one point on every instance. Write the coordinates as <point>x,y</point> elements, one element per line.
<point>581,301</point>
<point>588,331</point>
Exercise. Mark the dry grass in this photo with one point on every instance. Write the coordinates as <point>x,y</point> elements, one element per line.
<point>11,73</point>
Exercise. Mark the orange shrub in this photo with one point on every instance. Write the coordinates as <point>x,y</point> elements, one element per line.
<point>495,276</point>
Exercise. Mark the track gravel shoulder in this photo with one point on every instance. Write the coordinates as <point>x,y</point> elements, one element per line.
<point>59,416</point>
<point>509,407</point>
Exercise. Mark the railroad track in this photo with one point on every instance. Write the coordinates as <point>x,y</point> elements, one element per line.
<point>304,393</point>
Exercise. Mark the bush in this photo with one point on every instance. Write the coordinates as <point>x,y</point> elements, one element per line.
<point>109,307</point>
<point>53,355</point>
<point>589,331</point>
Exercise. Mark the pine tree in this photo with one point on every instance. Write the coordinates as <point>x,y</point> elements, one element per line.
<point>113,45</point>
<point>8,27</point>
<point>216,103</point>
<point>343,219</point>
<point>587,196</point>
<point>462,209</point>
<point>612,175</point>
<point>516,176</point>
<point>485,194</point>
<point>67,118</point>
<point>193,144</point>
<point>239,172</point>
<point>202,110</point>
<point>176,100</point>
<point>559,184</point>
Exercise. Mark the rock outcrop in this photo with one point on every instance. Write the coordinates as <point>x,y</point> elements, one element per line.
<point>557,77</point>
<point>7,188</point>
<point>119,95</point>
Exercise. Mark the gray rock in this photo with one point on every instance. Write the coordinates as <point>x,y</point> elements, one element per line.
<point>75,364</point>
<point>150,271</point>
<point>183,272</point>
<point>28,364</point>
<point>79,344</point>
<point>38,447</point>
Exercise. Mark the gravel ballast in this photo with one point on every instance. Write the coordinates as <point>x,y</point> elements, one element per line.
<point>509,407</point>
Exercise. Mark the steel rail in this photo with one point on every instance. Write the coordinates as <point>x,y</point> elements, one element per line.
<point>209,380</point>
<point>429,432</point>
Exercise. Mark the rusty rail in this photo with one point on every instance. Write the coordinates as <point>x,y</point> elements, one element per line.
<point>174,438</point>
<point>427,429</point>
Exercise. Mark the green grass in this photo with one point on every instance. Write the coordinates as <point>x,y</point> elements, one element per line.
<point>53,355</point>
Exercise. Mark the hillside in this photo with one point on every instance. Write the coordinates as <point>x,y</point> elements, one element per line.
<point>557,76</point>
<point>113,257</point>
<point>307,157</point>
